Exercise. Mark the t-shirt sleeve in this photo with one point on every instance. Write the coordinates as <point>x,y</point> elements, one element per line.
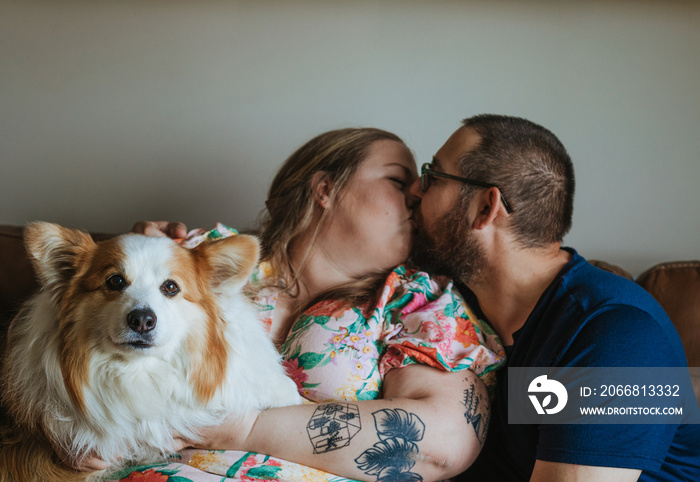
<point>427,321</point>
<point>620,337</point>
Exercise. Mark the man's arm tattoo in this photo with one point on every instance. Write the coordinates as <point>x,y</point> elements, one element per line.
<point>392,458</point>
<point>332,426</point>
<point>474,418</point>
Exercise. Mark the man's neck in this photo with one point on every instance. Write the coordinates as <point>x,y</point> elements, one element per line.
<point>508,289</point>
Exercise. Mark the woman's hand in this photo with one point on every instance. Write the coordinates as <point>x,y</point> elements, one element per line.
<point>175,230</point>
<point>90,462</point>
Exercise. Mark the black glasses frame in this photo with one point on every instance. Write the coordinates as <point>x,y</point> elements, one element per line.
<point>426,171</point>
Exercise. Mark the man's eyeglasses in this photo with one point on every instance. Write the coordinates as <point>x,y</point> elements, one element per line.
<point>427,172</point>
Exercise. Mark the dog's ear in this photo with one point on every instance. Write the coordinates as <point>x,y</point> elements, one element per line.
<point>55,252</point>
<point>231,259</point>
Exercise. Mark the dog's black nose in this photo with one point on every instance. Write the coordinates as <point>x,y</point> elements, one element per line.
<point>141,321</point>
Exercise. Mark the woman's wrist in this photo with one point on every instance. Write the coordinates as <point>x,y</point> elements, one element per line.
<point>234,433</point>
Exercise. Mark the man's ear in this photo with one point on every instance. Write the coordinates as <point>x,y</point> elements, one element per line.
<point>488,207</point>
<point>321,187</point>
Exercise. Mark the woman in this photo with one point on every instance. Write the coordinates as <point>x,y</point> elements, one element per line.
<point>394,357</point>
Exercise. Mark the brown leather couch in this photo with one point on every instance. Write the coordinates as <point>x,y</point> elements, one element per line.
<point>675,285</point>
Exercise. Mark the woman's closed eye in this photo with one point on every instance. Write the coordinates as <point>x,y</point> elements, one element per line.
<point>401,182</point>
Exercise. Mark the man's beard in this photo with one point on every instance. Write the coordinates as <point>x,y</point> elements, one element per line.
<point>450,249</point>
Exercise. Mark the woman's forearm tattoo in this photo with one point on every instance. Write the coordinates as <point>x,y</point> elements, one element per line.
<point>479,422</point>
<point>332,426</point>
<point>392,458</point>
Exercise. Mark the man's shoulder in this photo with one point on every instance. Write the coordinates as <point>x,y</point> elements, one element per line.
<point>593,290</point>
<point>592,316</point>
<point>585,280</point>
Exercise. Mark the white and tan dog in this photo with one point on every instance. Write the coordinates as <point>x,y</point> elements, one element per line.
<point>130,341</point>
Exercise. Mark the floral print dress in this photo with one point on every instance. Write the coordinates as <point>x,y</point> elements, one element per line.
<point>339,352</point>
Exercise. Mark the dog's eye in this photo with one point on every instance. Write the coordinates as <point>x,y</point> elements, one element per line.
<point>170,288</point>
<point>116,282</point>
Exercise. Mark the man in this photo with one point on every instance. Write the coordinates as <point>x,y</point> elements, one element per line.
<point>496,203</point>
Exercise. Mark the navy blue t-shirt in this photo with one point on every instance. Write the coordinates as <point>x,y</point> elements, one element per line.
<point>588,317</point>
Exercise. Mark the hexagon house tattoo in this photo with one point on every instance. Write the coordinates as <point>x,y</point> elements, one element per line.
<point>332,426</point>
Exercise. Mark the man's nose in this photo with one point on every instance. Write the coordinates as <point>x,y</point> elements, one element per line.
<point>416,190</point>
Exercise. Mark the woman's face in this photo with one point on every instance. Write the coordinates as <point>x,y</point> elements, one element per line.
<point>370,226</point>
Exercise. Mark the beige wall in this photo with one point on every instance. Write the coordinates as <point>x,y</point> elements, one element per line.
<point>114,111</point>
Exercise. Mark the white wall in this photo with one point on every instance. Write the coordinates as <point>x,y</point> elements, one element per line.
<point>115,111</point>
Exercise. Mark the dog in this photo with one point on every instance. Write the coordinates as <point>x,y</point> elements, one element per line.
<point>128,342</point>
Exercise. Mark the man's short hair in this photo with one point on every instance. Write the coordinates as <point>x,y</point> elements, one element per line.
<point>532,169</point>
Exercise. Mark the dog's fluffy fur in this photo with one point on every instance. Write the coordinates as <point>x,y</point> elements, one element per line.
<point>130,341</point>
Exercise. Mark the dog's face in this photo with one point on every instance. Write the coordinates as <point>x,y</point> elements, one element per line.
<point>135,296</point>
<point>140,295</point>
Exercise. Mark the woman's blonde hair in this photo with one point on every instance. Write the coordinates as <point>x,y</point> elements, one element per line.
<point>291,207</point>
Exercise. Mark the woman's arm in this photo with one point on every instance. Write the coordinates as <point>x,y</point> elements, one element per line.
<point>430,425</point>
